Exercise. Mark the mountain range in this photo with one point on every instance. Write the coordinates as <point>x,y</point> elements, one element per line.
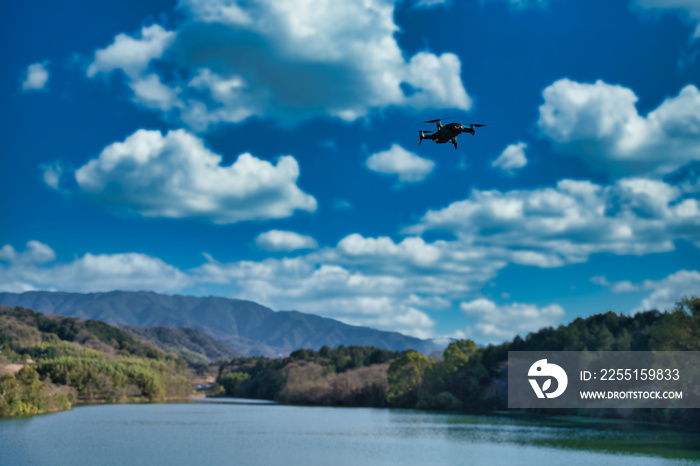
<point>245,326</point>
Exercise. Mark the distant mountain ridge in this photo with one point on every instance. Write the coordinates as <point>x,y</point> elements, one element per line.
<point>245,326</point>
<point>195,346</point>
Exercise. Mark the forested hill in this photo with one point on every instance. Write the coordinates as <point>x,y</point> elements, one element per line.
<point>193,345</point>
<point>245,326</point>
<point>48,362</point>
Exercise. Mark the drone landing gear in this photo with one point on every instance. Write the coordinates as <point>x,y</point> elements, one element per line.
<point>454,141</point>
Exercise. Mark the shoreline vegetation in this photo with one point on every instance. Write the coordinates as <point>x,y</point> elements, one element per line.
<point>67,361</point>
<point>464,377</point>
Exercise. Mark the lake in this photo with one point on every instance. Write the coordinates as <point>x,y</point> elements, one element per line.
<point>257,434</point>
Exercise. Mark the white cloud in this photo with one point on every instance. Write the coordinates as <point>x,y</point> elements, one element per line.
<point>624,287</point>
<point>151,92</point>
<point>278,240</point>
<point>600,123</point>
<point>512,158</point>
<point>35,268</point>
<point>129,271</point>
<point>363,281</point>
<point>36,77</point>
<point>409,167</point>
<point>35,253</point>
<point>664,293</point>
<point>600,280</point>
<point>414,250</point>
<point>386,283</point>
<point>176,176</point>
<point>667,291</point>
<point>690,8</point>
<point>329,289</point>
<point>494,323</point>
<point>550,227</point>
<point>132,55</point>
<point>286,60</point>
<point>409,322</point>
<point>52,174</point>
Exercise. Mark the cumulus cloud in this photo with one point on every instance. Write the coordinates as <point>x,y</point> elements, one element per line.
<point>385,282</point>
<point>151,92</point>
<point>286,60</point>
<point>690,8</point>
<point>550,227</point>
<point>36,77</point>
<point>512,158</point>
<point>132,55</point>
<point>34,253</point>
<point>667,291</point>
<point>409,167</point>
<point>413,249</point>
<point>278,240</point>
<point>365,281</point>
<point>494,323</point>
<point>176,176</point>
<point>373,281</point>
<point>599,122</point>
<point>36,268</point>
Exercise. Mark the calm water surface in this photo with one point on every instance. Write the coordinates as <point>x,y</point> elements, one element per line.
<point>203,433</point>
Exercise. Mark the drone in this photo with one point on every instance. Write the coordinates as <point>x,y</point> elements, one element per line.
<point>447,133</point>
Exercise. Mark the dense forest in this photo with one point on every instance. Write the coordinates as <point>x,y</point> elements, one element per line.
<point>465,376</point>
<point>62,360</point>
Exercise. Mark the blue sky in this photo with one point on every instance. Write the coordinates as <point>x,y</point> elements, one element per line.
<point>269,151</point>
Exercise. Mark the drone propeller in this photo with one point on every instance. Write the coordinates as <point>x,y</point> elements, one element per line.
<point>434,121</point>
<point>478,125</point>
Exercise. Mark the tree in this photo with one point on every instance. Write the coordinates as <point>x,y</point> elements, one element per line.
<point>458,353</point>
<point>232,380</point>
<point>405,379</point>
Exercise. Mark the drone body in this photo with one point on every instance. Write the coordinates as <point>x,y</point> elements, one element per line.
<point>447,133</point>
